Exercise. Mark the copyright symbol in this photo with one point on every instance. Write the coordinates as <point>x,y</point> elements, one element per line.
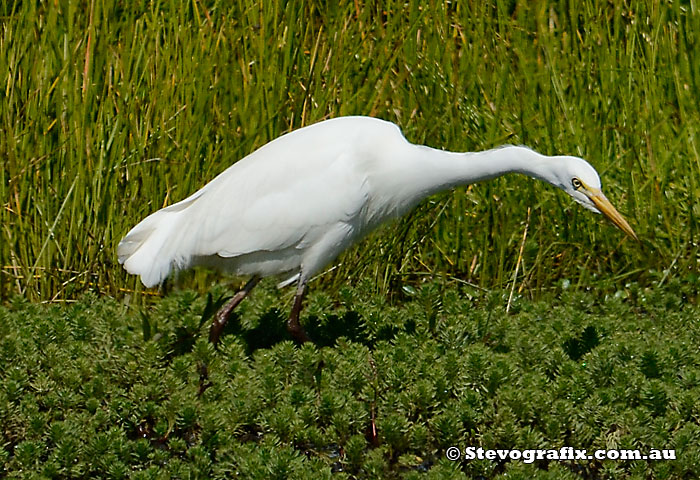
<point>453,453</point>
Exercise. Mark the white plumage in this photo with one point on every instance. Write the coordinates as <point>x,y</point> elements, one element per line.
<point>293,205</point>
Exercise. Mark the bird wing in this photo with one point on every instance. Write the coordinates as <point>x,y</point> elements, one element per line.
<point>270,203</point>
<point>310,188</point>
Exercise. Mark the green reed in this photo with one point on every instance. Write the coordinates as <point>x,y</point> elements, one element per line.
<point>111,110</point>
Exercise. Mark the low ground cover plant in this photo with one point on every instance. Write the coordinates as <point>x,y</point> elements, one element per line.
<point>101,389</point>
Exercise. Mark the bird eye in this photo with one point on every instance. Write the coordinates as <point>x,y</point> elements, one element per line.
<point>576,183</point>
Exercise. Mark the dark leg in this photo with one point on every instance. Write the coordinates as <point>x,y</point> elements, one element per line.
<point>293,326</point>
<point>221,317</point>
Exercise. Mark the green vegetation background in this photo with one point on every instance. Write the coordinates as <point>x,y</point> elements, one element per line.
<point>110,110</point>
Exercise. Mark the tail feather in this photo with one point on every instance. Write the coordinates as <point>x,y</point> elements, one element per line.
<point>150,249</point>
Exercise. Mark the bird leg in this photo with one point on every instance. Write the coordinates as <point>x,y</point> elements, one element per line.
<point>221,317</point>
<point>293,326</point>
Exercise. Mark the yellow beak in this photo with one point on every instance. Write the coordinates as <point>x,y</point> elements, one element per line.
<point>606,208</point>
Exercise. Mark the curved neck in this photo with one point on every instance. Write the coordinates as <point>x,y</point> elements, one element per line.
<point>436,170</point>
<point>404,179</point>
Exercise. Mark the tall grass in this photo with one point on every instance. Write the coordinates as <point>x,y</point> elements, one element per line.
<point>111,110</point>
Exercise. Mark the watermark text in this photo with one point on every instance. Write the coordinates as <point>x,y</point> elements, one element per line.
<point>562,454</point>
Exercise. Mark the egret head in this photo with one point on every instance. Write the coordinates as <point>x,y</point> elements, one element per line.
<point>580,180</point>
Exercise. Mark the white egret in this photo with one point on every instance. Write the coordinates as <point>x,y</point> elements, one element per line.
<point>292,206</point>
